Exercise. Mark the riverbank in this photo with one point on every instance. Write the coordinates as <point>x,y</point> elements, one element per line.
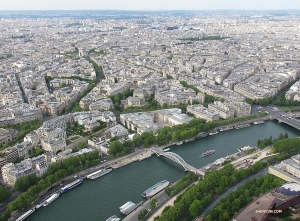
<point>122,161</point>
<point>101,198</point>
<point>168,202</point>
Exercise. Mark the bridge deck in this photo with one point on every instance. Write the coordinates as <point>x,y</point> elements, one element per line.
<point>288,120</point>
<point>176,158</point>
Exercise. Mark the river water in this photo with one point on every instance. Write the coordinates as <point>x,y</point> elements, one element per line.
<point>96,200</point>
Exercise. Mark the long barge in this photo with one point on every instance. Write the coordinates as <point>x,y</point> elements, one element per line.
<point>129,208</point>
<point>98,173</point>
<point>113,218</point>
<point>156,189</point>
<point>242,126</point>
<point>51,199</point>
<point>71,185</point>
<point>25,215</point>
<point>207,153</point>
<point>201,135</point>
<point>258,122</point>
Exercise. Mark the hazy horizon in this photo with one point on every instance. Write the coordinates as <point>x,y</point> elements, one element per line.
<point>154,5</point>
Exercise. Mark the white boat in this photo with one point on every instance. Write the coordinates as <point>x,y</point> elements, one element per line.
<point>213,133</point>
<point>245,148</point>
<point>242,126</point>
<point>71,185</point>
<point>98,174</point>
<point>25,215</point>
<point>51,199</point>
<point>165,150</point>
<point>216,163</point>
<point>125,205</point>
<point>113,218</point>
<point>38,206</point>
<point>155,188</point>
<point>179,143</point>
<point>207,153</point>
<point>226,128</point>
<point>258,122</point>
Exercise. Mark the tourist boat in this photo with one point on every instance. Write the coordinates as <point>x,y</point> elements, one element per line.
<point>258,122</point>
<point>201,135</point>
<point>245,148</point>
<point>38,206</point>
<point>113,218</point>
<point>242,126</point>
<point>214,132</point>
<point>226,128</point>
<point>129,207</point>
<point>179,143</point>
<point>71,185</point>
<point>51,199</point>
<point>155,188</point>
<point>207,153</point>
<point>25,215</point>
<point>216,163</point>
<point>126,205</point>
<point>98,174</point>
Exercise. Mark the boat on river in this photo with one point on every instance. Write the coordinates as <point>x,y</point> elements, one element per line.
<point>113,218</point>
<point>25,215</point>
<point>207,153</point>
<point>242,126</point>
<point>214,132</point>
<point>155,189</point>
<point>258,122</point>
<point>71,185</point>
<point>51,199</point>
<point>98,173</point>
<point>179,143</point>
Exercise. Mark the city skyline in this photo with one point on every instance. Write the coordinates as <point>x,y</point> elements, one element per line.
<point>153,5</point>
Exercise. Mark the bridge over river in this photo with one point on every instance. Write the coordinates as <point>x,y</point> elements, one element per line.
<point>287,118</point>
<point>177,159</point>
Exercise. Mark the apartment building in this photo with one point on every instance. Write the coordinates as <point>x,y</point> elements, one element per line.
<point>7,135</point>
<point>202,112</point>
<point>117,131</point>
<point>11,172</point>
<point>222,110</point>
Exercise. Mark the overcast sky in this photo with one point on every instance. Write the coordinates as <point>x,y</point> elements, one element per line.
<point>148,4</point>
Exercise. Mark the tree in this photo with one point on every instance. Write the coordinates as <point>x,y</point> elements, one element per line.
<point>114,139</point>
<point>168,191</point>
<point>4,194</point>
<point>153,203</point>
<point>115,148</point>
<point>23,183</point>
<point>149,141</point>
<point>142,214</point>
<point>137,139</point>
<point>81,145</point>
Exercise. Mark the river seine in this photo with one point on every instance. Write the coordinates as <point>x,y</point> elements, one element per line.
<point>96,200</point>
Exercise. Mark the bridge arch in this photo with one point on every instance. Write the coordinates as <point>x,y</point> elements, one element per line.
<point>176,158</point>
